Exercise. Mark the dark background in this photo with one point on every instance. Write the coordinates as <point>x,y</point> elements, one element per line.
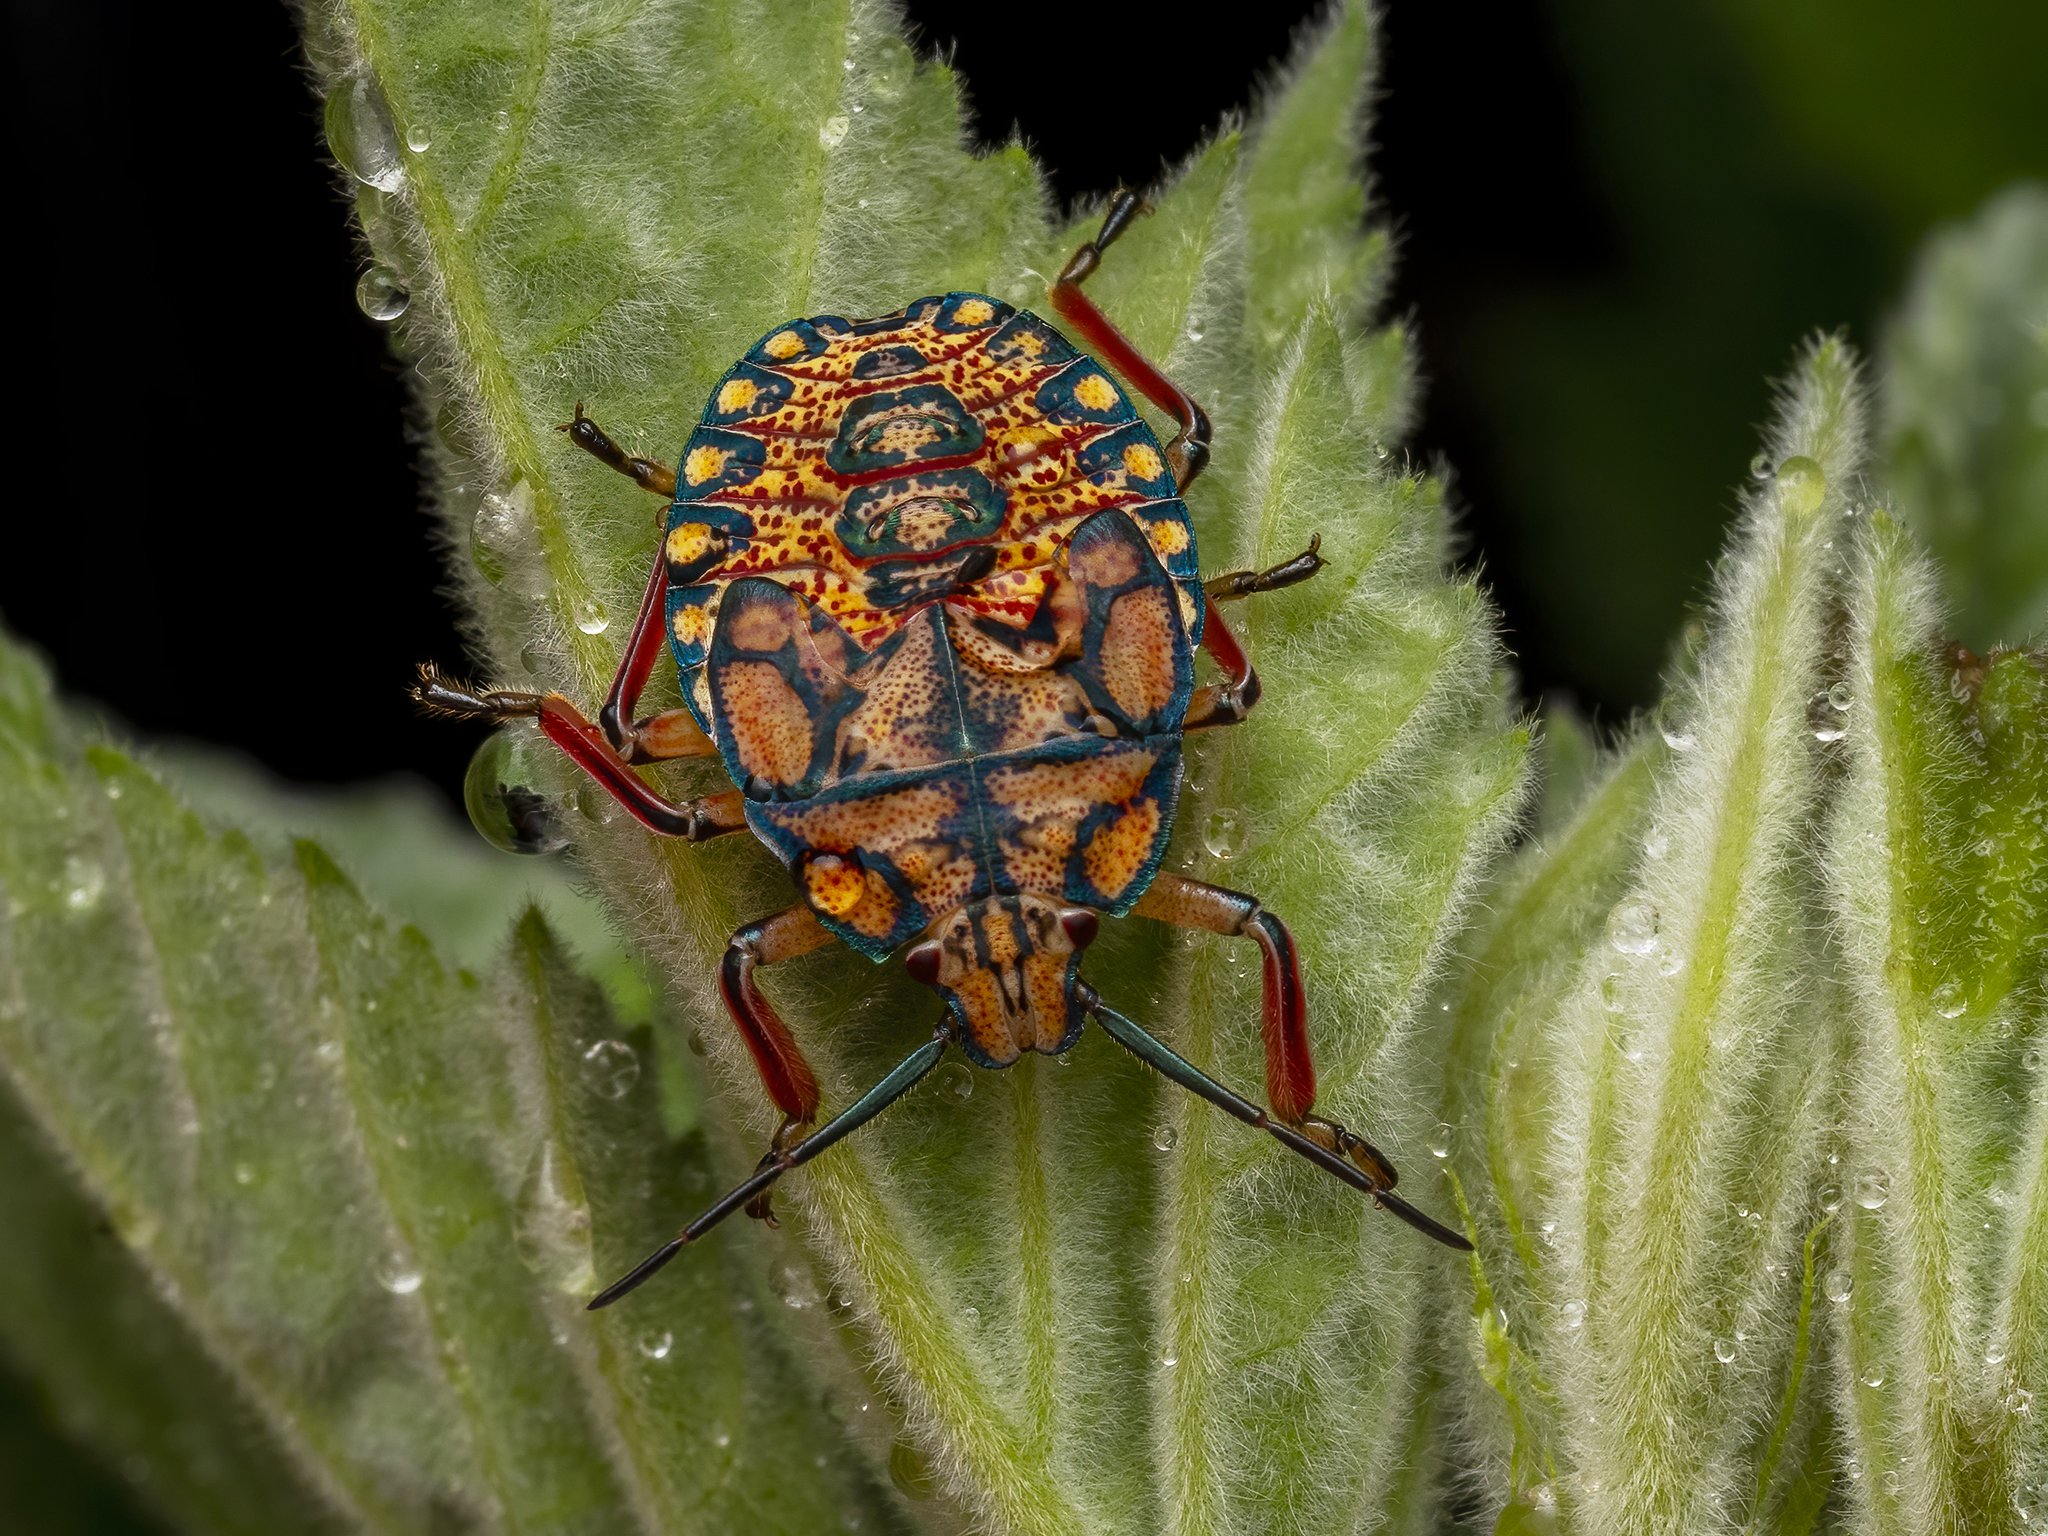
<point>1615,223</point>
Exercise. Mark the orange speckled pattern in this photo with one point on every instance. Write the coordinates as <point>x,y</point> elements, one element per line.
<point>934,598</point>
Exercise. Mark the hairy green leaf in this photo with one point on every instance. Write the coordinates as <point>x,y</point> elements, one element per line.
<point>1966,395</point>
<point>310,1208</point>
<point>1073,1330</point>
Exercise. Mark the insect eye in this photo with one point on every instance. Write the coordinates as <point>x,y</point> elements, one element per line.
<point>923,963</point>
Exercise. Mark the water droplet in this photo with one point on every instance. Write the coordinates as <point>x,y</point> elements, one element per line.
<point>695,1041</point>
<point>793,1284</point>
<point>656,1346</point>
<point>1801,485</point>
<point>245,1174</point>
<point>1225,832</point>
<point>500,794</point>
<point>1724,1351</point>
<point>1169,1359</point>
<point>909,1471</point>
<point>84,884</point>
<point>971,1316</point>
<point>1995,1355</point>
<point>1164,1137</point>
<point>1574,1312</point>
<point>1948,999</point>
<point>1440,1141</point>
<point>501,120</point>
<point>1831,1198</point>
<point>551,1225</point>
<point>1760,467</point>
<point>397,1273</point>
<point>1823,719</point>
<point>501,530</point>
<point>721,1437</point>
<point>1670,963</point>
<point>1873,1378</point>
<point>1840,697</point>
<point>1873,1188</point>
<point>1632,927</point>
<point>418,139</point>
<point>1838,1285</point>
<point>610,1069</point>
<point>1610,992</point>
<point>591,617</point>
<point>832,132</point>
<point>361,136</point>
<point>380,295</point>
<point>1656,845</point>
<point>1679,741</point>
<point>958,1078</point>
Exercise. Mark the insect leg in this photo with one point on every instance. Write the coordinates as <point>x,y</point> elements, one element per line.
<point>698,820</point>
<point>1237,584</point>
<point>755,1187</point>
<point>1169,1063</point>
<point>593,440</point>
<point>784,1072</point>
<point>1189,451</point>
<point>1290,1070</point>
<point>1225,703</point>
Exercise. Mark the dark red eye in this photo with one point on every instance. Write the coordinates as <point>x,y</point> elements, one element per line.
<point>923,963</point>
<point>1081,925</point>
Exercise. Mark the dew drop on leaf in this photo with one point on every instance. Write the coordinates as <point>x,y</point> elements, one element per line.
<point>1873,1188</point>
<point>792,1283</point>
<point>1948,999</point>
<point>1760,467</point>
<point>500,530</point>
<point>656,1346</point>
<point>501,794</point>
<point>1225,832</point>
<point>84,884</point>
<point>1802,484</point>
<point>1873,1378</point>
<point>1840,698</point>
<point>1164,1137</point>
<point>957,1078</point>
<point>591,617</point>
<point>418,139</point>
<point>380,295</point>
<point>1831,1198</point>
<point>1440,1141</point>
<point>832,132</point>
<point>397,1273</point>
<point>1838,1285</point>
<point>1724,1351</point>
<point>551,1226</point>
<point>610,1069</point>
<point>361,136</point>
<point>1574,1313</point>
<point>1632,927</point>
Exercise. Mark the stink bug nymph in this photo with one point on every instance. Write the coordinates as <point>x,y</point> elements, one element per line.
<point>932,589</point>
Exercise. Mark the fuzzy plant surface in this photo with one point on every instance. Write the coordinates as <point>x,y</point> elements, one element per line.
<point>1732,1065</point>
<point>1745,1096</point>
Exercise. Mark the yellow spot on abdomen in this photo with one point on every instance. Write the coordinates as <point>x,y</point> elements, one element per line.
<point>975,312</point>
<point>688,543</point>
<point>692,624</point>
<point>1168,537</point>
<point>836,885</point>
<point>783,344</point>
<point>1096,393</point>
<point>703,464</point>
<point>1142,461</point>
<point>1119,849</point>
<point>736,395</point>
